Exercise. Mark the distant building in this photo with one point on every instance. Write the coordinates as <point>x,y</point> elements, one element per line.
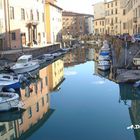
<point>77,24</point>
<point>107,17</point>
<point>89,25</point>
<point>53,21</point>
<point>99,26</point>
<point>99,18</point>
<point>23,23</point>
<point>112,17</point>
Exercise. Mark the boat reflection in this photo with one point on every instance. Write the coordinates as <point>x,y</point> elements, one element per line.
<point>36,99</point>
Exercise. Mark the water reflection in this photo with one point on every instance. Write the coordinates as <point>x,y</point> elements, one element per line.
<point>36,99</point>
<point>129,96</point>
<point>78,55</point>
<point>129,93</point>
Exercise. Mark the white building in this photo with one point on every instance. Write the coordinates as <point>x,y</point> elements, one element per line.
<point>89,23</point>
<point>24,23</point>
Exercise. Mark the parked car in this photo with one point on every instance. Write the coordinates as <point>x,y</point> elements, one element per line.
<point>135,38</point>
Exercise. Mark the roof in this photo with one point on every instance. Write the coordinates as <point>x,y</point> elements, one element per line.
<point>54,5</point>
<point>69,13</point>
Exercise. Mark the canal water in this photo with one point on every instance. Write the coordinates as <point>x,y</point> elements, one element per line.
<point>72,100</point>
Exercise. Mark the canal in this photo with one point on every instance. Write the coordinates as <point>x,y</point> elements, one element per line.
<point>85,106</point>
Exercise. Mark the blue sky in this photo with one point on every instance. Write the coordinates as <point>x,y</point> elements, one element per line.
<point>81,6</point>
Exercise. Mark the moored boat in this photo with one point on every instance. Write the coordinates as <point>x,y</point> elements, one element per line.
<point>25,64</point>
<point>104,65</point>
<point>9,101</point>
<point>10,81</point>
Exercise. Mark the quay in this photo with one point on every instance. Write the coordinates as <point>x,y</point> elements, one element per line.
<point>123,55</point>
<point>12,55</point>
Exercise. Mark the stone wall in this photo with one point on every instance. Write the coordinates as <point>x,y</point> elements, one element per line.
<point>13,55</point>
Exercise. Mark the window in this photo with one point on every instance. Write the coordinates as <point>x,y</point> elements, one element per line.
<point>12,13</point>
<point>13,35</point>
<point>116,20</point>
<point>22,14</point>
<point>43,17</point>
<point>112,11</point>
<point>31,15</point>
<point>46,80</point>
<point>27,92</point>
<point>42,101</point>
<point>116,11</point>
<point>37,15</point>
<point>36,88</point>
<point>47,98</point>
<point>29,112</point>
<point>37,107</point>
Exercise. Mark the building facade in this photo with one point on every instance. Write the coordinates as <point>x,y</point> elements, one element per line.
<point>53,25</point>
<point>89,25</point>
<point>99,26</point>
<point>99,18</point>
<point>24,24</point>
<point>107,17</point>
<point>130,16</point>
<point>76,24</point>
<point>112,17</point>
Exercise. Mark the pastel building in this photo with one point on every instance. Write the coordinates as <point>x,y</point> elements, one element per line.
<point>89,24</point>
<point>76,24</point>
<point>112,17</point>
<point>56,71</point>
<point>24,23</point>
<point>53,16</point>
<point>99,18</point>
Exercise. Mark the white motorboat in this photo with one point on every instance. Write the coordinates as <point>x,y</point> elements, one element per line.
<point>104,65</point>
<point>25,64</point>
<point>48,56</point>
<point>104,57</point>
<point>9,101</point>
<point>56,54</point>
<point>10,81</point>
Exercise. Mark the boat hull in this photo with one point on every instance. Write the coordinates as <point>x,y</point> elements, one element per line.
<point>9,105</point>
<point>8,101</point>
<point>104,67</point>
<point>26,69</point>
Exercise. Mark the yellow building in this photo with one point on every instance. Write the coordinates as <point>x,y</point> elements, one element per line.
<point>53,14</point>
<point>56,71</point>
<point>99,26</point>
<point>112,17</point>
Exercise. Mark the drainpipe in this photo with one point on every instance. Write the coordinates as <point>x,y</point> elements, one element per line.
<point>9,23</point>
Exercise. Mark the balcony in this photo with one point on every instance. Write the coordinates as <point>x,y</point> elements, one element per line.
<point>32,23</point>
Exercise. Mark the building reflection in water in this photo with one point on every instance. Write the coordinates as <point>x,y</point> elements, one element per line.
<point>129,95</point>
<point>132,95</point>
<point>75,57</point>
<point>36,101</point>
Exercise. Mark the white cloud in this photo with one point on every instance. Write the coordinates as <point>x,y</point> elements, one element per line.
<point>98,82</point>
<point>70,73</point>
